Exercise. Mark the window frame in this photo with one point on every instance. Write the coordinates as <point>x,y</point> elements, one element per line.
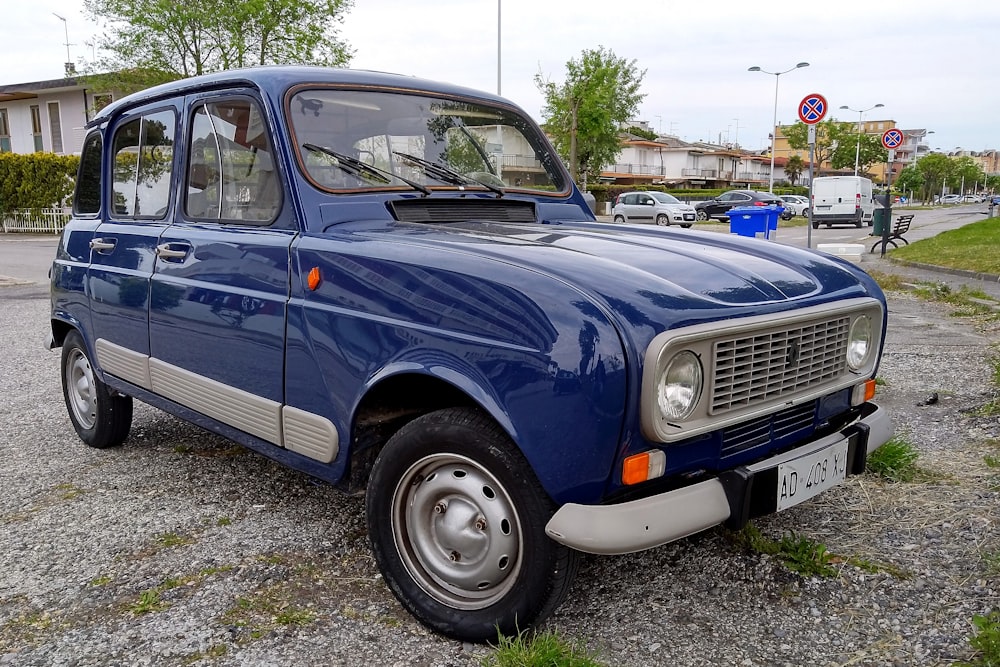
<point>140,114</point>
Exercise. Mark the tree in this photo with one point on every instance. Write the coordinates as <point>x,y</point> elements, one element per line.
<point>829,135</point>
<point>867,148</point>
<point>910,180</point>
<point>936,168</point>
<point>966,172</point>
<point>153,41</point>
<point>584,113</point>
<point>793,170</point>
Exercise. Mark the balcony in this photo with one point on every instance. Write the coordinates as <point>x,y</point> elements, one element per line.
<point>636,169</point>
<point>698,173</point>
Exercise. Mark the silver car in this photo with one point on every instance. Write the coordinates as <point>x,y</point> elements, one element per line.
<point>797,204</point>
<point>658,207</point>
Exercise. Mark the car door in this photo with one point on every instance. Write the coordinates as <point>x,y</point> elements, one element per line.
<point>138,170</point>
<point>629,206</point>
<point>221,283</point>
<point>644,209</point>
<point>734,199</point>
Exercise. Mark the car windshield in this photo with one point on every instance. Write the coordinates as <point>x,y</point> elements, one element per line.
<point>664,198</point>
<point>413,140</point>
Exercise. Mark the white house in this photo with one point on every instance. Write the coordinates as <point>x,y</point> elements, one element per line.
<point>46,115</point>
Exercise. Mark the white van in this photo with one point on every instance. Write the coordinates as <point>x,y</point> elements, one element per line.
<point>838,200</point>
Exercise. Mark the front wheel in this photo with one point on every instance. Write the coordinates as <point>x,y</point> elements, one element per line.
<point>662,220</point>
<point>805,213</point>
<point>619,219</point>
<point>101,418</point>
<point>457,524</point>
<point>701,215</point>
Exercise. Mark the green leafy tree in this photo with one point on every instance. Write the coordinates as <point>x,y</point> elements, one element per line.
<point>152,41</point>
<point>936,169</point>
<point>910,179</point>
<point>793,170</point>
<point>966,172</point>
<point>829,135</point>
<point>584,113</point>
<point>867,148</point>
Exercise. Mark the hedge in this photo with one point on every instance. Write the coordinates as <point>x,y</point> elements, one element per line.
<point>604,193</point>
<point>36,180</point>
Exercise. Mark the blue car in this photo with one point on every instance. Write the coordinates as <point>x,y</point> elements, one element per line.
<point>394,286</point>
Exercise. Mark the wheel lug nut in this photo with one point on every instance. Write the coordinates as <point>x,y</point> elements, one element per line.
<point>441,507</point>
<point>454,556</point>
<point>480,523</point>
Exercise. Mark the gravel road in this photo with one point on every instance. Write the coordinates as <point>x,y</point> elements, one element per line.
<point>181,548</point>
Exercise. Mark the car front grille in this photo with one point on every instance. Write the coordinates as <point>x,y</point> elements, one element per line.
<point>766,366</point>
<point>768,428</point>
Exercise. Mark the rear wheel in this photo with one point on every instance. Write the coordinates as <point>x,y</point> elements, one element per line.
<point>805,213</point>
<point>457,524</point>
<point>701,215</point>
<point>101,418</point>
<point>620,219</point>
<point>662,220</point>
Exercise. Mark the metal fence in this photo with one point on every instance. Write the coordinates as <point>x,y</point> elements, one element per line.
<point>35,221</point>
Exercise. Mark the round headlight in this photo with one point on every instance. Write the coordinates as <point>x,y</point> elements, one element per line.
<point>680,386</point>
<point>859,342</point>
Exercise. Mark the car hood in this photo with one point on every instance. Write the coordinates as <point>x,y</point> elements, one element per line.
<point>661,277</point>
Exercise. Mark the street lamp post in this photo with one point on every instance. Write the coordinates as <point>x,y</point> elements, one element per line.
<point>857,150</point>
<point>774,117</point>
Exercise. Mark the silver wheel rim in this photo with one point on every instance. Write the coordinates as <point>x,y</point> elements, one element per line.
<point>456,531</point>
<point>81,390</point>
<point>662,221</point>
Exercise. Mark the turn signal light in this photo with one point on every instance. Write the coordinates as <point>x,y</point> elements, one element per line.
<point>313,279</point>
<point>641,467</point>
<point>863,392</point>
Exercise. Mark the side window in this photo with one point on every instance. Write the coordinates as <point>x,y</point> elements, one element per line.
<point>631,200</point>
<point>87,200</point>
<point>231,170</point>
<point>143,150</point>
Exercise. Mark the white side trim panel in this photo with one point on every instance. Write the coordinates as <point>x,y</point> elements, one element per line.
<point>122,362</point>
<point>240,409</point>
<point>309,434</point>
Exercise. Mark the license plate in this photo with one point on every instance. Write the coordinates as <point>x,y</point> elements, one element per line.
<point>810,475</point>
<point>689,216</point>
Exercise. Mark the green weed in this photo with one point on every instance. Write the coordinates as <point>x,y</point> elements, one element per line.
<point>895,461</point>
<point>543,649</point>
<point>986,641</point>
<point>799,554</point>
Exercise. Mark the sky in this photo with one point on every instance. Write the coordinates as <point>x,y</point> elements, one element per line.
<point>931,64</point>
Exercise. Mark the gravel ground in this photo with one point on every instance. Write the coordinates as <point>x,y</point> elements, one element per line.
<point>181,548</point>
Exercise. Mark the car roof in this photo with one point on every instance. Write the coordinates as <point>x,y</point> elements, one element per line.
<point>276,79</point>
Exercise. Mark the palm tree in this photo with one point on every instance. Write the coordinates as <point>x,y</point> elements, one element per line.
<point>794,168</point>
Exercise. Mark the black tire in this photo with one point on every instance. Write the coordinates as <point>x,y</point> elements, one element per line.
<point>459,461</point>
<point>686,225</point>
<point>101,418</point>
<point>815,225</point>
<point>620,219</point>
<point>662,220</point>
<point>701,215</point>
<point>805,213</point>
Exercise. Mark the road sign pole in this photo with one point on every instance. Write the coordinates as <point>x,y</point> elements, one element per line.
<point>891,139</point>
<point>809,222</point>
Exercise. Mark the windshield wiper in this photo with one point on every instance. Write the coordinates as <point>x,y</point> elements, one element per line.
<point>443,173</point>
<point>358,168</point>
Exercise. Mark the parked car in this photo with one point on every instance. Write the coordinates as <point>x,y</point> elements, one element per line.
<point>327,267</point>
<point>797,204</point>
<point>973,199</point>
<point>659,207</point>
<point>719,206</point>
<point>951,199</point>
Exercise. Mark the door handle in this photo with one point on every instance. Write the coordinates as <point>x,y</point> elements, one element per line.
<point>102,245</point>
<point>172,251</point>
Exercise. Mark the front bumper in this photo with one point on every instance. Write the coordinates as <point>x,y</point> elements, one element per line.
<point>730,498</point>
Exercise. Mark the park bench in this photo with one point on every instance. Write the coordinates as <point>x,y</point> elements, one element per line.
<point>901,226</point>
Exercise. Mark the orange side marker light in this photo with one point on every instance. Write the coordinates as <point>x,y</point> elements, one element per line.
<point>314,278</point>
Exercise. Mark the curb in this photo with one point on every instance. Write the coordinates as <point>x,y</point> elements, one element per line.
<point>985,277</point>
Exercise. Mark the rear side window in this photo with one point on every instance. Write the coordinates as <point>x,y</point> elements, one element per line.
<point>143,164</point>
<point>87,200</point>
<point>231,170</point>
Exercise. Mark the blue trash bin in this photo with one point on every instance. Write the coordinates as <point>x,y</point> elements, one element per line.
<point>751,221</point>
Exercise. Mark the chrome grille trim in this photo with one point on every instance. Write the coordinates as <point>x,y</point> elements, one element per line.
<point>759,374</point>
<point>760,367</point>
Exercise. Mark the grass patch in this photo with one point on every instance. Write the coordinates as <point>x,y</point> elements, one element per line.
<point>896,461</point>
<point>889,282</point>
<point>872,567</point>
<point>544,649</point>
<point>798,553</point>
<point>174,540</point>
<point>991,561</point>
<point>971,247</point>
<point>966,301</point>
<point>986,641</point>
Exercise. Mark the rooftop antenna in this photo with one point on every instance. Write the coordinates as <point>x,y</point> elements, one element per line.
<point>70,68</point>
